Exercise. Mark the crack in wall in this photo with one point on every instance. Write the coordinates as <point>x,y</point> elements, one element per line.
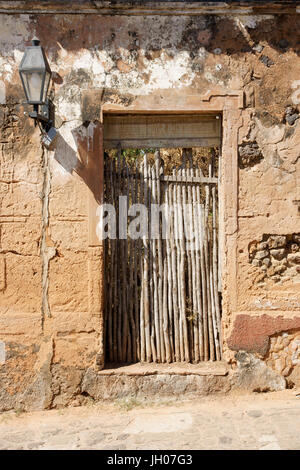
<point>47,252</point>
<point>14,252</point>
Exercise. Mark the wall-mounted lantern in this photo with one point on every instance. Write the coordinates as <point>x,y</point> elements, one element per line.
<point>35,74</point>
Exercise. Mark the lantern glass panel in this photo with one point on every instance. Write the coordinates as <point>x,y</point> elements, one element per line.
<point>35,73</point>
<point>46,86</point>
<point>33,82</point>
<point>33,58</point>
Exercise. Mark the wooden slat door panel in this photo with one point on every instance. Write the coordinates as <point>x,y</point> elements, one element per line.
<point>162,302</point>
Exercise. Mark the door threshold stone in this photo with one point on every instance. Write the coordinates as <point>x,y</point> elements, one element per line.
<point>184,368</point>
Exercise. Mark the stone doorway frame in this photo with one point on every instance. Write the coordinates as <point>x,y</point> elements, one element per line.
<point>227,103</point>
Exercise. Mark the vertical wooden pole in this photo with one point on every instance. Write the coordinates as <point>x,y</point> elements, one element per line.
<point>142,275</point>
<point>110,243</point>
<point>131,268</point>
<point>186,227</point>
<point>198,285</point>
<point>207,256</point>
<point>146,271</point>
<point>155,307</point>
<point>215,260</point>
<point>163,308</point>
<point>178,265</point>
<point>137,265</point>
<point>173,272</point>
<point>182,274</point>
<point>200,220</point>
<point>193,248</point>
<point>119,254</point>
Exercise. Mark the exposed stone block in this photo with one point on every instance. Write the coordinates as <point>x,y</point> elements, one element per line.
<point>23,283</point>
<point>76,348</point>
<point>69,234</point>
<point>21,237</point>
<point>20,199</point>
<point>279,259</point>
<point>68,282</point>
<point>26,377</point>
<point>103,387</point>
<point>255,376</point>
<point>291,115</point>
<point>261,254</point>
<point>278,254</point>
<point>2,273</point>
<point>249,154</point>
<point>68,198</point>
<point>267,262</point>
<point>293,258</point>
<point>284,355</point>
<point>277,241</point>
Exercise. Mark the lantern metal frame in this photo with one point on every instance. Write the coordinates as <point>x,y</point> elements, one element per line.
<point>43,109</point>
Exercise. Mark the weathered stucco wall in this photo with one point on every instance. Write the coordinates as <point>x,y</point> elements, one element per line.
<point>50,278</point>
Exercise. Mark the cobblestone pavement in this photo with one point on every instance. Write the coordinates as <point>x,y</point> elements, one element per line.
<point>257,421</point>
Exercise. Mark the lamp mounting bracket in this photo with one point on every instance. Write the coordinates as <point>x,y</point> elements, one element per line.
<point>44,114</point>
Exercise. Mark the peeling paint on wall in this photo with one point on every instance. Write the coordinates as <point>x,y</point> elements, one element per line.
<point>2,92</point>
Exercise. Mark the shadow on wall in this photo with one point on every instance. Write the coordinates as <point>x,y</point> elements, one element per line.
<point>86,161</point>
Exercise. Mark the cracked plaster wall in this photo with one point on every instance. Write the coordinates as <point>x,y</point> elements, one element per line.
<point>45,256</point>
